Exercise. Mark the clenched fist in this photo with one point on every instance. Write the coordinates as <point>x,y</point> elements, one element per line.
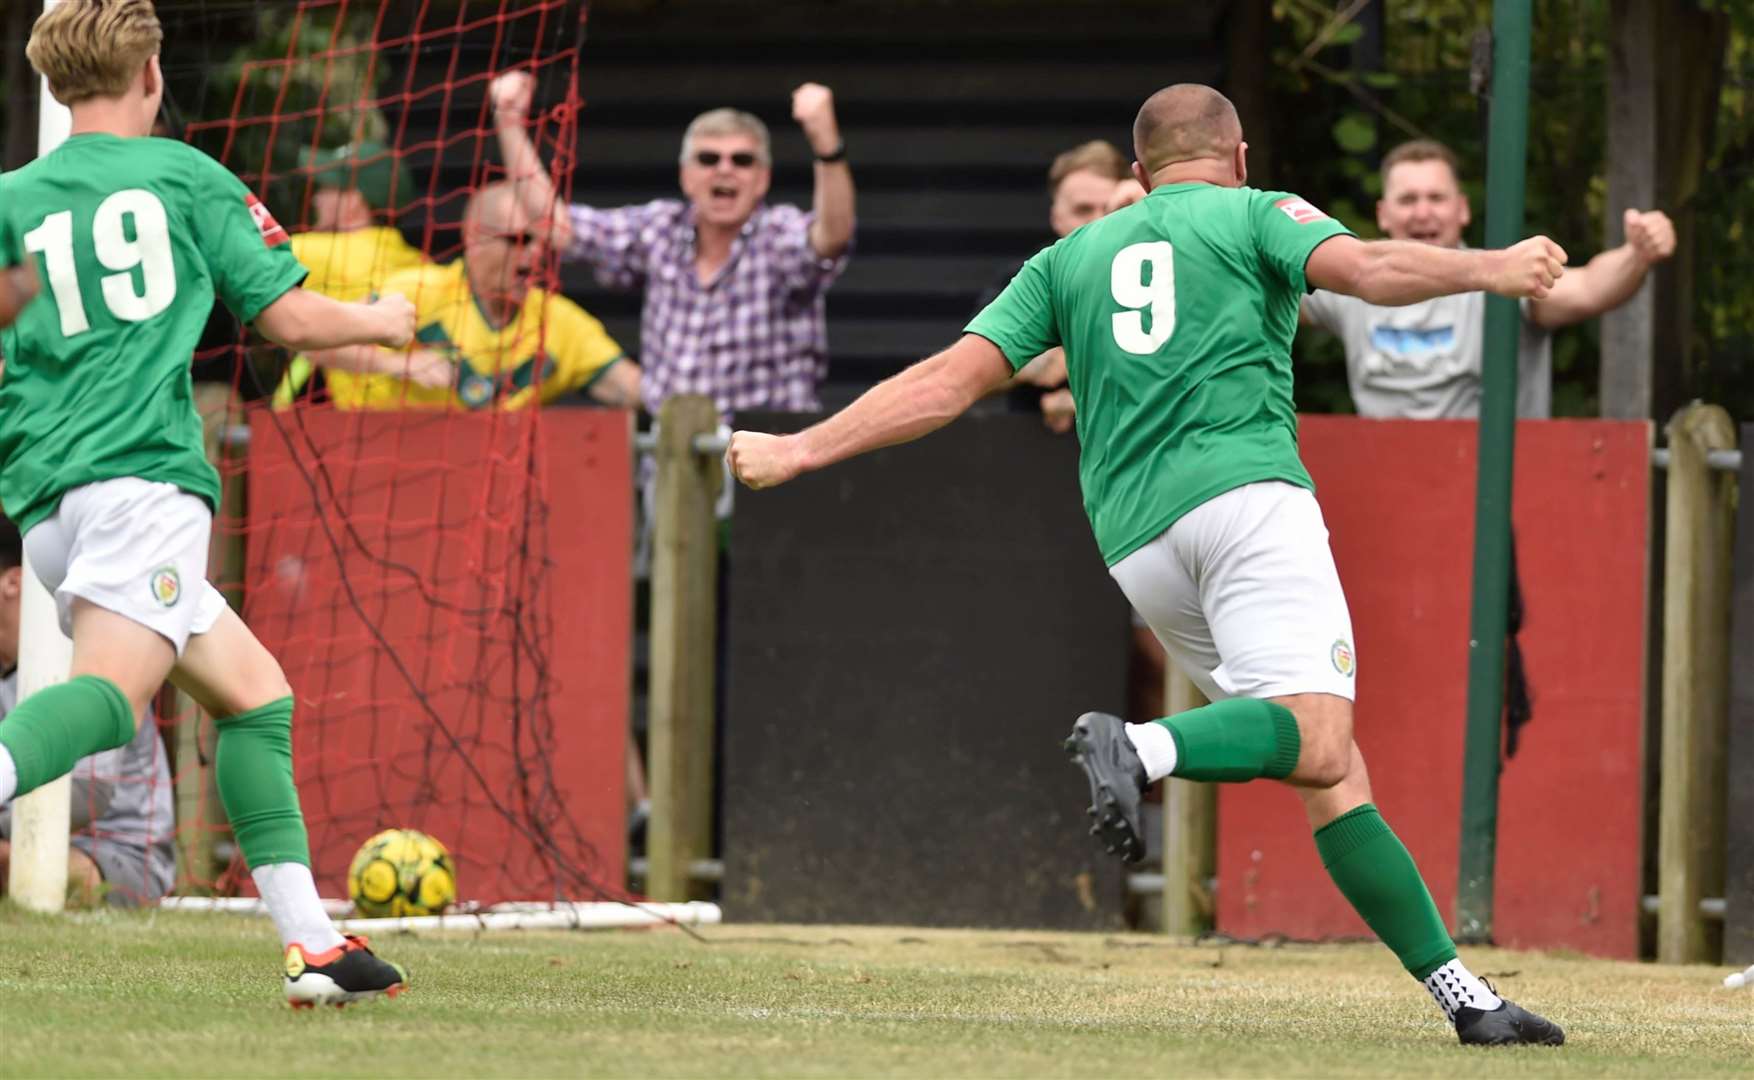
<point>813,109</point>
<point>398,320</point>
<point>760,460</point>
<point>510,94</point>
<point>429,368</point>
<point>1527,269</point>
<point>1651,235</point>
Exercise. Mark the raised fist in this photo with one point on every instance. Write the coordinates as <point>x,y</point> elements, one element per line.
<point>813,109</point>
<point>1651,234</point>
<point>511,94</point>
<point>430,369</point>
<point>1527,269</point>
<point>398,317</point>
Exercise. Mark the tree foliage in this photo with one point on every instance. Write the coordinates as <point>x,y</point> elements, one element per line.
<point>1339,108</point>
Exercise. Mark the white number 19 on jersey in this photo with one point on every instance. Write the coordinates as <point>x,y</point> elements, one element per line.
<point>1135,288</point>
<point>150,250</point>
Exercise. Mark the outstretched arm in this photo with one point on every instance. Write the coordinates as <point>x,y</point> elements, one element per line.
<point>511,94</point>
<point>426,368</point>
<point>1609,279</point>
<point>899,409</point>
<point>832,229</point>
<point>1397,272</point>
<point>304,321</point>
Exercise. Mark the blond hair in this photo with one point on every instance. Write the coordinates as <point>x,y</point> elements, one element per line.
<point>93,48</point>
<point>728,122</point>
<point>1098,156</point>
<point>1421,150</point>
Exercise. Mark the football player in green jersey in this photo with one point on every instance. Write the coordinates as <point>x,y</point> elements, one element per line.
<point>102,462</point>
<point>1177,314</point>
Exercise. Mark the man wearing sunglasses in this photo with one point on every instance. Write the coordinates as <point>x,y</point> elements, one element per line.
<point>733,288</point>
<point>501,340</point>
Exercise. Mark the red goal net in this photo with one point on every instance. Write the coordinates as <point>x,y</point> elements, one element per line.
<point>448,590</point>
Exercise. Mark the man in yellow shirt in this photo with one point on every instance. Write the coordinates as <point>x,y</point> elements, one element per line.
<point>351,248</point>
<point>504,342</point>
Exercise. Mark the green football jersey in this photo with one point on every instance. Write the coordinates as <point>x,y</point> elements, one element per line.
<point>1176,315</point>
<point>133,239</point>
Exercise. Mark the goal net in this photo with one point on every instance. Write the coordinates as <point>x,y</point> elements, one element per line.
<point>447,589</point>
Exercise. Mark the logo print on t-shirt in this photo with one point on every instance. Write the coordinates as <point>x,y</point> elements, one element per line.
<point>167,587</point>
<point>272,234</point>
<point>1341,655</point>
<point>1299,210</point>
<point>1404,342</point>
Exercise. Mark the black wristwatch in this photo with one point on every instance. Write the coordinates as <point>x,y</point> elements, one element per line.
<point>839,153</point>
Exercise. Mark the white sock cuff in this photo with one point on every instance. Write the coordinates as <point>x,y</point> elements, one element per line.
<point>1156,747</point>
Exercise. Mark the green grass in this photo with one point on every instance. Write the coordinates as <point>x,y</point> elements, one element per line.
<point>129,994</point>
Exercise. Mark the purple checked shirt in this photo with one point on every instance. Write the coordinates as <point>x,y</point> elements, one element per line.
<point>754,337</point>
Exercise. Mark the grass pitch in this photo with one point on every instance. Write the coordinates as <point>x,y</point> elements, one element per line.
<point>130,994</point>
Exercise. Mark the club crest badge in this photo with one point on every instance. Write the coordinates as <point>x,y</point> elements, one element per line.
<point>1341,655</point>
<point>167,586</point>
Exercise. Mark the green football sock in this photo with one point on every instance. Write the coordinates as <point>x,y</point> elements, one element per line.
<point>1378,878</point>
<point>53,728</point>
<point>253,767</point>
<point>1233,741</point>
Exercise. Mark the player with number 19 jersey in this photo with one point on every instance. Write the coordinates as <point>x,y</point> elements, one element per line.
<point>1177,315</point>
<point>133,237</point>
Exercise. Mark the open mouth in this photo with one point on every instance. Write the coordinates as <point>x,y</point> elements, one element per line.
<point>1428,236</point>
<point>723,195</point>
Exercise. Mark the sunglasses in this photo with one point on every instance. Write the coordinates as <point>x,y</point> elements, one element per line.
<point>742,159</point>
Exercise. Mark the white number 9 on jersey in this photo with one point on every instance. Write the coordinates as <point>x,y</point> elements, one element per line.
<point>1128,281</point>
<point>150,250</point>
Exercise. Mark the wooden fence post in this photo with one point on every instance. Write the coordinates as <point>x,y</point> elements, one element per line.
<point>1190,828</point>
<point>1696,635</point>
<point>684,597</point>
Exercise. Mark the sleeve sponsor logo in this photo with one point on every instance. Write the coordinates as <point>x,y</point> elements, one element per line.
<point>272,234</point>
<point>1299,210</point>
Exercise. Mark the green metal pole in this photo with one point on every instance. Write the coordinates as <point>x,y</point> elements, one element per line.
<point>1508,150</point>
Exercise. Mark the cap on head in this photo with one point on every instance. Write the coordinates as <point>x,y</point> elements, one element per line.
<point>1185,122</point>
<point>368,167</point>
<point>93,48</point>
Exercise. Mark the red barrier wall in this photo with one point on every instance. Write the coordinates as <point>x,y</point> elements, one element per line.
<point>451,598</point>
<point>1399,502</point>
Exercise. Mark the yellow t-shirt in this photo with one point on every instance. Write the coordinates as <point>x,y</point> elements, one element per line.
<point>349,265</point>
<point>551,343</point>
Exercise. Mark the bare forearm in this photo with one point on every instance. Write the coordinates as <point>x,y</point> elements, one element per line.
<point>1397,272</point>
<point>832,230</point>
<point>899,409</point>
<point>307,321</point>
<point>1604,283</point>
<point>529,177</point>
<point>360,359</point>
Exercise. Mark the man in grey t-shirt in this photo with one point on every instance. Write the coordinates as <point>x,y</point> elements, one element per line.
<point>123,840</point>
<point>1424,361</point>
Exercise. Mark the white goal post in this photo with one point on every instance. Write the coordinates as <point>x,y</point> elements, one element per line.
<point>37,875</point>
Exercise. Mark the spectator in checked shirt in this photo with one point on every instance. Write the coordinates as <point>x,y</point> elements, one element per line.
<point>733,288</point>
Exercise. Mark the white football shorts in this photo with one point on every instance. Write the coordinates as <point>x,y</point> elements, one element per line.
<point>133,547</point>
<point>1243,593</point>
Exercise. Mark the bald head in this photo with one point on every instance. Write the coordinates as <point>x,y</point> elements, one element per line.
<point>1185,122</point>
<point>495,209</point>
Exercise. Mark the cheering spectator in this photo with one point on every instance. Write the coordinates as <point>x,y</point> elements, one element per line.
<point>1424,361</point>
<point>733,288</point>
<point>485,336</point>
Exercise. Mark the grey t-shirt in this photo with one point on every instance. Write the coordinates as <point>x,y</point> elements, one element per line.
<point>1423,361</point>
<point>128,792</point>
